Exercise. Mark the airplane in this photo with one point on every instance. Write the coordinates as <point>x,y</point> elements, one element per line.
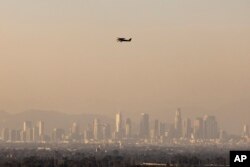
<point>124,40</point>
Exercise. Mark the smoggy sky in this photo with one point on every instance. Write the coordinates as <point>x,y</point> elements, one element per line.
<point>63,55</point>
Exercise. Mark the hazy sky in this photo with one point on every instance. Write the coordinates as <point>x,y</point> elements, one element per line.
<point>63,55</point>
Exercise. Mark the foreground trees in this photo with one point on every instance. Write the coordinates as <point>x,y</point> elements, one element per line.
<point>130,157</point>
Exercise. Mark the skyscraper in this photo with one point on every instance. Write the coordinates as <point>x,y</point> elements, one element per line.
<point>106,131</point>
<point>144,126</point>
<point>27,125</point>
<point>210,127</point>
<point>27,134</point>
<point>97,130</point>
<point>89,133</point>
<point>128,128</point>
<point>57,135</point>
<point>13,135</point>
<point>187,128</point>
<point>245,131</point>
<point>178,123</point>
<point>198,128</point>
<point>118,122</point>
<point>41,130</point>
<point>75,130</point>
<point>156,129</point>
<point>162,128</point>
<point>35,133</point>
<point>118,126</point>
<point>5,134</point>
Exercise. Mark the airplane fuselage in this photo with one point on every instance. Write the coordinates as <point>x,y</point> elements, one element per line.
<point>124,40</point>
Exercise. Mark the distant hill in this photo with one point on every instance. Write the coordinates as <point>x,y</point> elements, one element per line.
<point>52,119</point>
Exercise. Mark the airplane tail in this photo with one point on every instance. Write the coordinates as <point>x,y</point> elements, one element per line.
<point>130,39</point>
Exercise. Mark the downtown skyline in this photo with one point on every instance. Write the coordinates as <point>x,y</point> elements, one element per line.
<point>61,56</point>
<point>148,131</point>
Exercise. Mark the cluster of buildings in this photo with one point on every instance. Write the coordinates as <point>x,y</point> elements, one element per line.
<point>29,133</point>
<point>147,131</point>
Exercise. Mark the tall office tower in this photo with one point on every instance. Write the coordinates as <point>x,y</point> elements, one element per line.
<point>118,134</point>
<point>75,128</point>
<point>97,130</point>
<point>144,126</point>
<point>35,133</point>
<point>90,129</point>
<point>245,131</point>
<point>13,135</point>
<point>27,125</point>
<point>57,135</point>
<point>198,128</point>
<point>210,127</point>
<point>178,123</point>
<point>106,131</point>
<point>87,135</point>
<point>170,131</point>
<point>29,135</point>
<point>75,132</point>
<point>156,131</point>
<point>118,122</point>
<point>22,136</point>
<point>187,128</point>
<point>5,134</point>
<point>27,131</point>
<point>128,128</point>
<point>162,128</point>
<point>40,125</point>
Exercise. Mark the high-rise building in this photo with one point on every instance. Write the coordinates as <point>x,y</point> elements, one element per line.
<point>178,123</point>
<point>144,126</point>
<point>27,125</point>
<point>5,134</point>
<point>162,128</point>
<point>35,133</point>
<point>57,135</point>
<point>89,133</point>
<point>14,135</point>
<point>27,134</point>
<point>75,128</point>
<point>128,128</point>
<point>118,134</point>
<point>22,136</point>
<point>40,125</point>
<point>198,128</point>
<point>106,131</point>
<point>245,131</point>
<point>170,131</point>
<point>156,131</point>
<point>75,132</point>
<point>118,122</point>
<point>187,128</point>
<point>97,130</point>
<point>210,127</point>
